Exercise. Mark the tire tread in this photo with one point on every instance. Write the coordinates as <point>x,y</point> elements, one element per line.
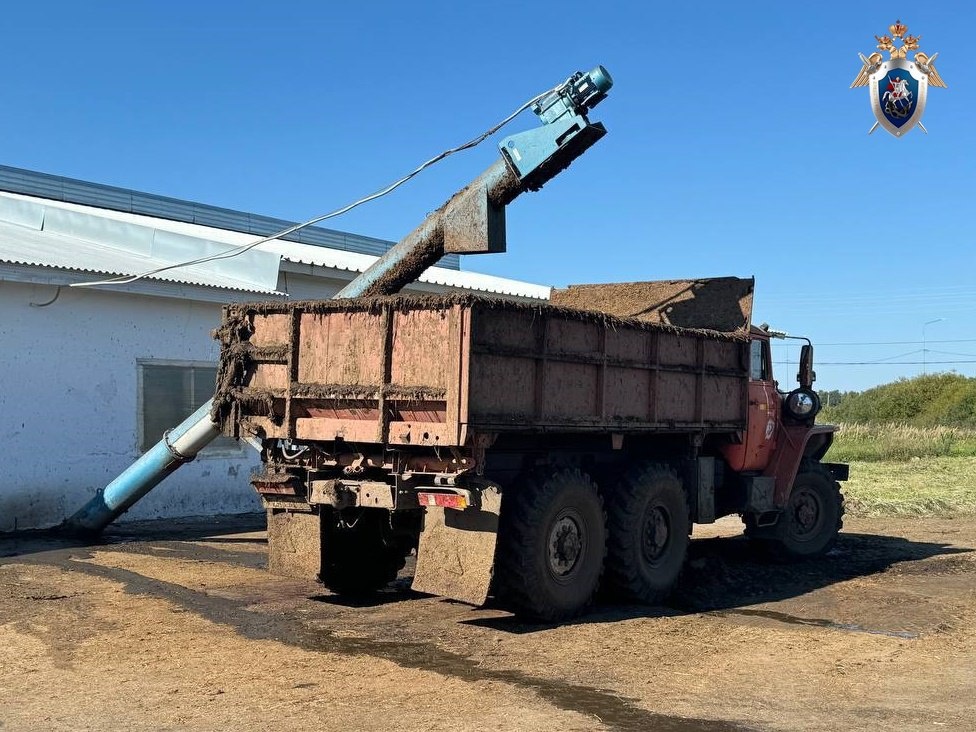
<point>622,575</point>
<point>516,566</point>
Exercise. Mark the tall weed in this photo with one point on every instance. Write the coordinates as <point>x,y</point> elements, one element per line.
<point>900,441</point>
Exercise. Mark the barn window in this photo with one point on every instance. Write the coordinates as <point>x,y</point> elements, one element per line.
<point>169,392</point>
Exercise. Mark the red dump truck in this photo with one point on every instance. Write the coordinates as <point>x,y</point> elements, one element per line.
<point>529,451</point>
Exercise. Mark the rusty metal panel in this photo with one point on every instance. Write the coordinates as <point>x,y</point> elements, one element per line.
<point>500,329</point>
<point>349,429</point>
<point>676,350</point>
<point>424,379</point>
<point>722,397</point>
<point>570,391</point>
<point>724,355</point>
<point>628,393</point>
<point>549,369</point>
<point>461,408</point>
<point>572,336</point>
<point>340,348</point>
<point>422,348</point>
<point>676,397</point>
<point>268,376</point>
<point>501,385</point>
<point>431,434</point>
<point>270,329</point>
<point>629,345</point>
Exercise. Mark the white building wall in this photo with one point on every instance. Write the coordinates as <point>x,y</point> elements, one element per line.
<point>69,419</point>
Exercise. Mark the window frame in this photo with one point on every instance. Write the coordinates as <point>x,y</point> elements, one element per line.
<point>765,363</point>
<point>220,448</point>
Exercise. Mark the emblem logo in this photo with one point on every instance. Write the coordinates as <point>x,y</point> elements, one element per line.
<point>899,86</point>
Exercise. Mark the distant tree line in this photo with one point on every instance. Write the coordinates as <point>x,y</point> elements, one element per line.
<point>933,399</point>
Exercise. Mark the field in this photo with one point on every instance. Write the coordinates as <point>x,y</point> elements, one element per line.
<point>899,442</point>
<point>901,470</point>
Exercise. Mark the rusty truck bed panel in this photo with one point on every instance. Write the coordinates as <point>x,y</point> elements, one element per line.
<point>433,370</point>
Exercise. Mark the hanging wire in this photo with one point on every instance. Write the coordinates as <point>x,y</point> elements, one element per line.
<point>57,294</point>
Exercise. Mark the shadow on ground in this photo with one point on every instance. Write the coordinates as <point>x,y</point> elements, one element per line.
<point>721,575</point>
<point>729,574</point>
<point>212,529</point>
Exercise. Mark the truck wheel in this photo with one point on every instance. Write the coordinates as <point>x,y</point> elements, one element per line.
<point>551,544</point>
<point>813,516</point>
<point>649,532</point>
<point>359,554</point>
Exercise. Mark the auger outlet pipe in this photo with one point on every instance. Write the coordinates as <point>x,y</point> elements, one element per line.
<point>180,445</point>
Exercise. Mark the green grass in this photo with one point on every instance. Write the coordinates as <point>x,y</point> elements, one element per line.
<point>921,486</point>
<point>893,442</point>
<point>904,470</point>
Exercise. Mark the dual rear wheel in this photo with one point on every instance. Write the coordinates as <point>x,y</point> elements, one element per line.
<point>558,534</point>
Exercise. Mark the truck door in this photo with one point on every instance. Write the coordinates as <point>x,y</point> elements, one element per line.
<point>763,415</point>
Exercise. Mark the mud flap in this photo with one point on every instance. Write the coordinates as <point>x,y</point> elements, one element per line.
<point>295,543</point>
<point>457,550</point>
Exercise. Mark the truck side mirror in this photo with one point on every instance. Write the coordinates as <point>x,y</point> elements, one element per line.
<point>806,376</point>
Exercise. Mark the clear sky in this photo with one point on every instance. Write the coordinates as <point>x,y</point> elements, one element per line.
<point>735,144</point>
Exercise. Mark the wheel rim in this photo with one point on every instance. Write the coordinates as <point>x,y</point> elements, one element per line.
<point>655,534</point>
<point>566,544</point>
<point>806,514</point>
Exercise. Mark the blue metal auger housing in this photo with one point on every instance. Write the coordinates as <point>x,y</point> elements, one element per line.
<point>537,155</point>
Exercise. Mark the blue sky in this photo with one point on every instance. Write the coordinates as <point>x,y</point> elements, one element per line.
<point>735,144</point>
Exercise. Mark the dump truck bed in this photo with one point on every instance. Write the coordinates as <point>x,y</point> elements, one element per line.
<point>434,370</point>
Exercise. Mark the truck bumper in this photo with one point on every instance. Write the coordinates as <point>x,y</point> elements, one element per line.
<point>840,471</point>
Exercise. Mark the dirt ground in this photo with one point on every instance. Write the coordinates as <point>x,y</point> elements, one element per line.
<point>178,625</point>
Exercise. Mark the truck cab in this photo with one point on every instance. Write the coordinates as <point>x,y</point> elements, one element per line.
<point>764,411</point>
<point>785,446</point>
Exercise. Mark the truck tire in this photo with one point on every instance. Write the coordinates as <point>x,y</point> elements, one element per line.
<point>551,545</point>
<point>359,554</point>
<point>811,519</point>
<point>649,531</point>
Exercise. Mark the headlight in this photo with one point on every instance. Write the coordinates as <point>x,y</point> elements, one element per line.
<point>802,404</point>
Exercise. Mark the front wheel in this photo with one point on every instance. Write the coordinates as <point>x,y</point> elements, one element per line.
<point>551,544</point>
<point>812,517</point>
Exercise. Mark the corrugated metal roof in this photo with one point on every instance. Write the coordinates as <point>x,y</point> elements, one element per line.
<point>37,234</point>
<point>70,190</point>
<point>89,239</point>
<point>20,245</point>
